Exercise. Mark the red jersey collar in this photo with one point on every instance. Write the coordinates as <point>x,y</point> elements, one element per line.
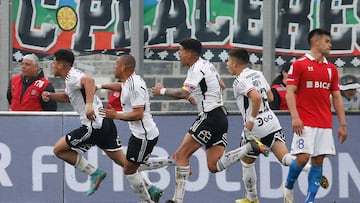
<point>311,58</point>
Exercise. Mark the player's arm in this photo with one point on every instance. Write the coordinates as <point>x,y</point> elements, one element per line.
<point>61,97</point>
<point>114,86</point>
<point>297,124</point>
<point>50,105</point>
<point>178,93</point>
<point>89,85</point>
<point>255,98</point>
<point>136,114</point>
<point>340,112</point>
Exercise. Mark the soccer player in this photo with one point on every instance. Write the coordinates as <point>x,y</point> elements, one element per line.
<point>144,132</point>
<point>311,81</point>
<point>252,93</point>
<point>94,130</point>
<point>210,128</point>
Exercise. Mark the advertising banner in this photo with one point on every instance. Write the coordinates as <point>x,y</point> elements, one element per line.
<point>30,172</point>
<point>103,26</point>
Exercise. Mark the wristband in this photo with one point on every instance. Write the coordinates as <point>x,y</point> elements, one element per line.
<point>98,86</point>
<point>162,91</point>
<point>251,119</point>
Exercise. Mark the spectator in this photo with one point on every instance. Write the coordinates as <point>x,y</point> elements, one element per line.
<point>349,91</point>
<point>278,88</point>
<point>24,91</point>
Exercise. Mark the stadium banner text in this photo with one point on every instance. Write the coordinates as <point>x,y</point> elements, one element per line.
<point>103,26</point>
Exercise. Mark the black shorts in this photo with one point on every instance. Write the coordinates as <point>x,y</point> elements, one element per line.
<point>139,150</point>
<point>210,129</point>
<point>267,140</point>
<point>85,137</point>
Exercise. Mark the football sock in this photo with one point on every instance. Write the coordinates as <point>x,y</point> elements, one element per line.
<point>182,174</point>
<point>314,179</point>
<point>249,179</point>
<point>293,174</point>
<point>138,186</point>
<point>287,159</point>
<point>83,165</point>
<point>232,157</point>
<point>157,162</point>
<point>146,179</point>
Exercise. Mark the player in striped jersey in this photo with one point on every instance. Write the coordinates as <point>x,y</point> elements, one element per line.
<point>311,81</point>
<point>210,128</point>
<point>144,132</point>
<point>94,129</point>
<point>252,93</point>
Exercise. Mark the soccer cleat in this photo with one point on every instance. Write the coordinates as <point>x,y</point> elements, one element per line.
<point>258,146</point>
<point>96,179</point>
<point>170,201</point>
<point>246,200</point>
<point>288,194</point>
<point>324,182</point>
<point>155,193</point>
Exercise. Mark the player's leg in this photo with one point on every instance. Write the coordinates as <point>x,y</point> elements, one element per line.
<point>323,146</point>
<point>158,162</point>
<point>302,147</point>
<point>182,169</point>
<point>138,150</point>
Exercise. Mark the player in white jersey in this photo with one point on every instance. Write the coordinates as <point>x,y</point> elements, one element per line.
<point>210,128</point>
<point>144,132</point>
<point>94,130</point>
<point>252,92</point>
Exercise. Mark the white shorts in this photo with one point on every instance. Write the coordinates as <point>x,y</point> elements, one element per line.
<point>314,141</point>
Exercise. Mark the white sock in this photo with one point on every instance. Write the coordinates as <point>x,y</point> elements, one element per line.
<point>83,165</point>
<point>249,179</point>
<point>138,186</point>
<point>146,179</point>
<point>182,174</point>
<point>287,159</point>
<point>232,157</point>
<point>157,162</point>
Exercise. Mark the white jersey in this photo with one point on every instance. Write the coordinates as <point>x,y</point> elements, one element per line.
<point>266,121</point>
<point>203,82</point>
<point>134,94</point>
<point>77,98</point>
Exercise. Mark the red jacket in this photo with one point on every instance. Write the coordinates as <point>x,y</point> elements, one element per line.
<point>114,101</point>
<point>30,99</point>
<point>280,97</point>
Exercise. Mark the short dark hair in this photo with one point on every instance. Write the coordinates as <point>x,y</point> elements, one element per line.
<point>192,44</point>
<point>241,55</point>
<point>65,55</point>
<point>317,32</point>
<point>129,61</point>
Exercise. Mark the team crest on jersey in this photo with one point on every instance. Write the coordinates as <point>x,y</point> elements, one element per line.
<point>35,92</point>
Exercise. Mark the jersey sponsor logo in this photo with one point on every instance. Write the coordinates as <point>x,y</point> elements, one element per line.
<point>318,84</point>
<point>310,68</point>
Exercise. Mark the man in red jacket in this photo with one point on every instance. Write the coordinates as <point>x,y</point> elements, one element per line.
<point>24,91</point>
